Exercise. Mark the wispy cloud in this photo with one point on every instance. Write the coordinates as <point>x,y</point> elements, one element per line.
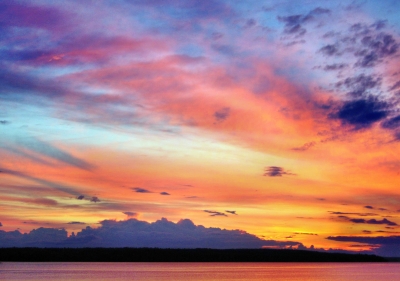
<point>140,190</point>
<point>215,213</point>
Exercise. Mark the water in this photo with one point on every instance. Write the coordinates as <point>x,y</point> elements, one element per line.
<point>200,271</point>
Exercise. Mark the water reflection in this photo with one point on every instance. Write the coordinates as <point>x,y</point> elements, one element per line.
<point>200,271</point>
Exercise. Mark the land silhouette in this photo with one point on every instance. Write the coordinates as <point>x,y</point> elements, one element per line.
<point>176,255</point>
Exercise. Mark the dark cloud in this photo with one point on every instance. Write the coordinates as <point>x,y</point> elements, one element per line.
<point>141,190</point>
<point>320,11</point>
<point>387,246</point>
<point>135,233</point>
<point>329,50</point>
<point>76,222</point>
<point>373,221</point>
<point>222,114</point>
<point>395,86</point>
<point>294,23</point>
<point>1,224</point>
<point>361,113</point>
<point>364,45</point>
<point>80,197</point>
<point>377,46</point>
<point>306,233</point>
<point>391,123</point>
<point>335,66</point>
<point>368,60</point>
<point>366,231</point>
<point>359,85</point>
<point>305,146</point>
<point>358,214</point>
<point>4,122</point>
<point>215,213</point>
<point>131,214</point>
<point>231,212</point>
<point>164,193</point>
<point>94,199</point>
<point>274,171</point>
<point>368,207</point>
<point>41,237</point>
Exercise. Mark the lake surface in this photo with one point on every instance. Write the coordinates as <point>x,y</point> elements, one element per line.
<point>200,271</point>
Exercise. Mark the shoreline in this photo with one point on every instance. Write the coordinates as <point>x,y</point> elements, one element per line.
<point>178,255</point>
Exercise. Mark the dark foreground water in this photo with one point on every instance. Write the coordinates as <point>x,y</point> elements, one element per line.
<point>200,271</point>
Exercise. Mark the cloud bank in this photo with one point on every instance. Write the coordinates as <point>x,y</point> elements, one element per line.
<point>135,233</point>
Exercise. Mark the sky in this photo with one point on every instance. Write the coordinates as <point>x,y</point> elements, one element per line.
<point>198,123</point>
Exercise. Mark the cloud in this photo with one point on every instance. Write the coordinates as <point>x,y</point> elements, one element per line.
<point>4,122</point>
<point>60,187</point>
<point>215,213</point>
<point>360,85</point>
<point>94,199</point>
<point>131,214</point>
<point>222,114</point>
<point>368,207</point>
<point>391,123</point>
<point>305,146</point>
<point>1,224</point>
<point>377,46</point>
<point>76,222</point>
<point>140,190</point>
<point>17,15</point>
<point>358,214</point>
<point>231,212</point>
<point>80,197</point>
<point>41,237</point>
<point>361,113</point>
<point>164,193</point>
<point>53,152</point>
<point>387,246</point>
<point>373,221</point>
<point>274,171</point>
<point>294,23</point>
<point>329,50</point>
<point>40,201</point>
<point>395,86</point>
<point>135,233</point>
<point>335,66</point>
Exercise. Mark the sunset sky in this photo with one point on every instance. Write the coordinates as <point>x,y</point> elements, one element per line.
<point>279,119</point>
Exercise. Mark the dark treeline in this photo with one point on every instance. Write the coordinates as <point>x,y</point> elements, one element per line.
<point>175,255</point>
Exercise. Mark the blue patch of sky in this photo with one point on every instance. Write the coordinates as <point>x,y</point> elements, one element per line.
<point>191,50</point>
<point>384,10</point>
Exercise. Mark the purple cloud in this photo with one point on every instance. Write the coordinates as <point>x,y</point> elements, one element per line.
<point>274,171</point>
<point>135,233</point>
